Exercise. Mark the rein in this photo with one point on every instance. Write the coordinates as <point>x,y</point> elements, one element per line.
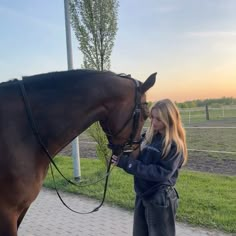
<point>36,133</point>
<point>135,115</point>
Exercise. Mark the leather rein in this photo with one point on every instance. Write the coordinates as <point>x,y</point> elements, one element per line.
<point>135,115</point>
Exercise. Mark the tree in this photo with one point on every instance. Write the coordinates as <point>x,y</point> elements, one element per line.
<point>95,25</point>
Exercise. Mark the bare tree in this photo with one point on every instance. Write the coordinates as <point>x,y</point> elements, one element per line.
<point>95,26</point>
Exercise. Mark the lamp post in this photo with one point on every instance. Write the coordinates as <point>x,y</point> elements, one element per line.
<point>75,142</point>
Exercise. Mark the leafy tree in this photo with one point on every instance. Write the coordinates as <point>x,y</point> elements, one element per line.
<point>216,102</point>
<point>95,26</point>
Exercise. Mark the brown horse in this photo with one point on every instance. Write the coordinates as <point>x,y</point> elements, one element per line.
<point>46,112</point>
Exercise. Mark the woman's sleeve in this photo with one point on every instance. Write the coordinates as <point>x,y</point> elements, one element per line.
<point>152,172</point>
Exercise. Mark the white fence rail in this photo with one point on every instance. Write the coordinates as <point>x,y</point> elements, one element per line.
<point>200,114</point>
<point>191,149</point>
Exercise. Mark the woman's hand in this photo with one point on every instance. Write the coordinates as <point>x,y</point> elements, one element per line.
<point>114,160</point>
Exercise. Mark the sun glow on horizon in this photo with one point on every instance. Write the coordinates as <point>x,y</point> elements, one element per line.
<point>181,90</point>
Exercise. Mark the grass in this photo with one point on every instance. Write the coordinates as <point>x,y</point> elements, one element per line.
<point>208,200</point>
<point>205,199</point>
<point>212,139</point>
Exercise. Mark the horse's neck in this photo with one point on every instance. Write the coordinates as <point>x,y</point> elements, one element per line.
<point>62,113</point>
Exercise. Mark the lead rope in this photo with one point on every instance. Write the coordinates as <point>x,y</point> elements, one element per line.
<point>36,133</point>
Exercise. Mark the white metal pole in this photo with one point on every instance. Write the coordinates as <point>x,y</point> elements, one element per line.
<point>75,142</point>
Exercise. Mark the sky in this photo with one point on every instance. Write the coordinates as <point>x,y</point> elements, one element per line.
<point>191,44</point>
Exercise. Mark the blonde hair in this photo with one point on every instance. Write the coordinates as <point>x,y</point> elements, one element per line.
<point>174,131</point>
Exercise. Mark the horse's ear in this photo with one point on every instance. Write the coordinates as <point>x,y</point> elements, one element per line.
<point>148,83</point>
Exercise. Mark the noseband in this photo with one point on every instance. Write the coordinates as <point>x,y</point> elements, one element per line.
<point>127,146</point>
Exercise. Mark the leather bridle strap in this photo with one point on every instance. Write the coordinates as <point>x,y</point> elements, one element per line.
<point>134,109</point>
<point>135,114</point>
<point>35,129</point>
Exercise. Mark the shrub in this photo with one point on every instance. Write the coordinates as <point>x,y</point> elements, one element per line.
<point>103,152</point>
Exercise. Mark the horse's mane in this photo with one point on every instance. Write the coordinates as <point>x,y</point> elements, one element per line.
<point>77,73</point>
<point>61,74</point>
<point>6,83</point>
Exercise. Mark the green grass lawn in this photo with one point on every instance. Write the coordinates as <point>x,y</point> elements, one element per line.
<point>208,200</point>
<point>205,199</point>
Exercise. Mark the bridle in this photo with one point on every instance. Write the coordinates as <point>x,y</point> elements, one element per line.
<point>127,146</point>
<point>135,116</point>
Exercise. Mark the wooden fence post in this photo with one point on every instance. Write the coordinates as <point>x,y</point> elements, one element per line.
<point>207,113</point>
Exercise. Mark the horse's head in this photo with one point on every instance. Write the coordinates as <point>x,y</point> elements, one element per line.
<point>125,120</point>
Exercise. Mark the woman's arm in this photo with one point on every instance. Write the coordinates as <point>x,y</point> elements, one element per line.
<point>151,172</point>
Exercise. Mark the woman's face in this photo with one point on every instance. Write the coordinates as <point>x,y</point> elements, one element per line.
<point>157,124</point>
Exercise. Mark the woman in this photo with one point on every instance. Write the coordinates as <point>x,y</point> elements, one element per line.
<point>156,170</point>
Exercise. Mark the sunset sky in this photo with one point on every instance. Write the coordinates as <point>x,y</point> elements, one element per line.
<point>190,44</point>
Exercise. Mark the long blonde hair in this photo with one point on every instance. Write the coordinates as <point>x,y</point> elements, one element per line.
<point>174,131</point>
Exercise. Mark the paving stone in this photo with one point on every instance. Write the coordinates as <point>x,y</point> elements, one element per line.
<point>47,216</point>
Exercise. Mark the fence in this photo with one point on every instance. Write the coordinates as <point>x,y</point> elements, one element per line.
<point>211,140</point>
<point>207,113</point>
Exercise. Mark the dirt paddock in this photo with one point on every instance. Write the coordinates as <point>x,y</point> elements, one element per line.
<point>197,162</point>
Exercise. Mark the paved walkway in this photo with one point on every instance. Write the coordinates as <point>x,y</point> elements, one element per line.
<point>48,217</point>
